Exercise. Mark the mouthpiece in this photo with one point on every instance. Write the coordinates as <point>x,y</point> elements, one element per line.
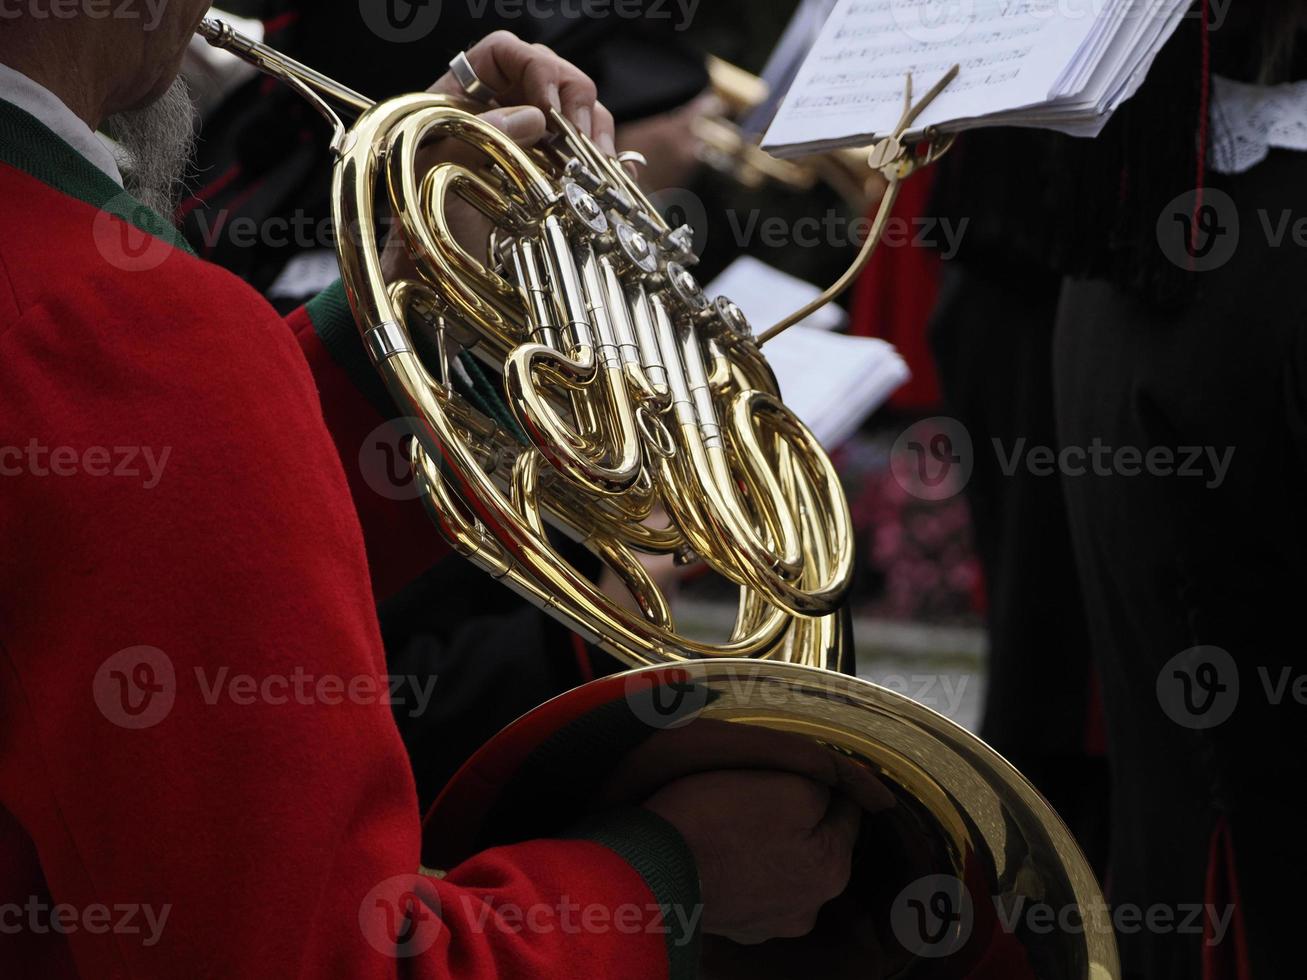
<point>313,85</point>
<point>222,35</point>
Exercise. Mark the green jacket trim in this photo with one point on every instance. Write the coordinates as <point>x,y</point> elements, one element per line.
<point>29,145</point>
<point>659,853</point>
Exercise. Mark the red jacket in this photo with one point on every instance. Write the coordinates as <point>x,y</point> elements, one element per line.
<point>199,775</point>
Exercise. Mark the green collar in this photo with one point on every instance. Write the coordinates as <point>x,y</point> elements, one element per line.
<point>28,145</point>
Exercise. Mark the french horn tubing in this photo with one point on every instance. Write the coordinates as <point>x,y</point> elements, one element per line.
<point>575,380</point>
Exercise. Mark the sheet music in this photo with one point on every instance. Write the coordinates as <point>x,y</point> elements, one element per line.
<point>1010,54</point>
<point>786,59</point>
<point>1022,62</point>
<point>767,295</point>
<point>858,374</point>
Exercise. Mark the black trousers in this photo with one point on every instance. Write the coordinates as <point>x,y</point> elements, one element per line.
<point>992,336</point>
<point>1173,561</point>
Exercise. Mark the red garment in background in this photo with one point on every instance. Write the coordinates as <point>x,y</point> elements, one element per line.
<point>894,298</point>
<point>1226,960</point>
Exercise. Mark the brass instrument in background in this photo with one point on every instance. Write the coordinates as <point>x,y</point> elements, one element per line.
<point>610,388</point>
<point>725,147</point>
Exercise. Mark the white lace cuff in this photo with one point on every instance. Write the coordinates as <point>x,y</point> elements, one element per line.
<point>1248,120</point>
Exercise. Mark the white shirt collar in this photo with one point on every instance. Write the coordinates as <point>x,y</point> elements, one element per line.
<point>37,100</point>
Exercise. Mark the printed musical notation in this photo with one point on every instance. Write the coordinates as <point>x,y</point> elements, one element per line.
<point>1011,53</point>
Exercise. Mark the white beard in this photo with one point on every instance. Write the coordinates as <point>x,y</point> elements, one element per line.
<point>154,147</point>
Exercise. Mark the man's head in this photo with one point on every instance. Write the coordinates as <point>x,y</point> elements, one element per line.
<point>115,66</point>
<point>100,58</point>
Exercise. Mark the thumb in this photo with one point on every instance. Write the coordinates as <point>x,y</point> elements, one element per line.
<point>525,124</point>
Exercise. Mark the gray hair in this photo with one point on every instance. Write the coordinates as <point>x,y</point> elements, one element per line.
<point>154,147</point>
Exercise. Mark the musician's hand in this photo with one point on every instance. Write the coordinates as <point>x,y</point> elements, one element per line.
<point>530,80</point>
<point>710,745</point>
<point>772,848</point>
<point>669,143</point>
<point>532,74</point>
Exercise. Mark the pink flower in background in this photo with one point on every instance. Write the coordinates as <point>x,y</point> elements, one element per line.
<point>917,555</point>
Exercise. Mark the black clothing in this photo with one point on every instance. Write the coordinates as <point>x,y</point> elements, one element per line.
<point>992,336</point>
<point>1169,563</point>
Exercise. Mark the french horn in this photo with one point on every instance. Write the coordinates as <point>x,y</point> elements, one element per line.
<point>728,148</point>
<point>575,382</point>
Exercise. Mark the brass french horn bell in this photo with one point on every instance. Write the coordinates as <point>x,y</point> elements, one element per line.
<point>575,381</point>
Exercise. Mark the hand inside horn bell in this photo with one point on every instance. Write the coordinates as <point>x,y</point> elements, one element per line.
<point>772,820</point>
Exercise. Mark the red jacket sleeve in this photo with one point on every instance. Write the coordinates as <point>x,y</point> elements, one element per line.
<point>192,715</point>
<point>402,541</point>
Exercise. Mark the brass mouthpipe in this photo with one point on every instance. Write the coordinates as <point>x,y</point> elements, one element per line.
<point>272,62</point>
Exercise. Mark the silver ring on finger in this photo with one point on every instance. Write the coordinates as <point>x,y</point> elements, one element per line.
<point>469,81</point>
